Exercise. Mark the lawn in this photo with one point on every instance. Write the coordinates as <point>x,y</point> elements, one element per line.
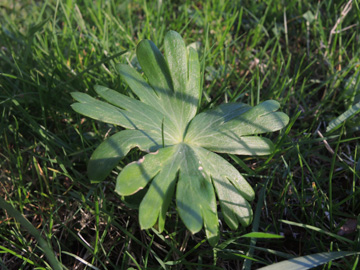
<point>302,54</point>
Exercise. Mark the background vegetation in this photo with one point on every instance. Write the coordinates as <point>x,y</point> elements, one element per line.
<point>305,54</point>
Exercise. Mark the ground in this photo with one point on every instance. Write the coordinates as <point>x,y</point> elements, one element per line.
<point>303,54</point>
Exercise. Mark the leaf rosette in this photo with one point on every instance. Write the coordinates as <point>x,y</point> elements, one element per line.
<point>163,121</point>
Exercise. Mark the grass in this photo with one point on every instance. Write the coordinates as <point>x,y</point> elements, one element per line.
<point>307,190</point>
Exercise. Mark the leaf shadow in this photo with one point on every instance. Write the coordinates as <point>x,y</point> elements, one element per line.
<point>158,91</point>
<point>232,191</point>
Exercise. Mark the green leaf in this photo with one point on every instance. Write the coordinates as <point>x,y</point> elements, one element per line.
<point>195,196</point>
<point>232,144</point>
<point>140,87</point>
<point>193,89</point>
<point>141,115</point>
<point>233,206</point>
<point>136,175</point>
<point>156,202</point>
<point>176,58</point>
<point>156,70</point>
<point>260,119</point>
<point>309,261</point>
<point>186,82</point>
<point>208,121</point>
<point>101,111</point>
<point>232,189</point>
<point>111,151</point>
<point>177,90</point>
<point>223,130</point>
<point>125,102</point>
<point>218,167</point>
<point>241,120</point>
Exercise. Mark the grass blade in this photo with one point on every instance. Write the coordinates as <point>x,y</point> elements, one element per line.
<point>334,124</point>
<point>49,253</point>
<point>309,261</point>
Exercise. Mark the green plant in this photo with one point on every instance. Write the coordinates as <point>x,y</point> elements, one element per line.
<point>164,122</point>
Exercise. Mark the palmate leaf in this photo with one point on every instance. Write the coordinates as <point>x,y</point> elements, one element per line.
<point>180,144</point>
